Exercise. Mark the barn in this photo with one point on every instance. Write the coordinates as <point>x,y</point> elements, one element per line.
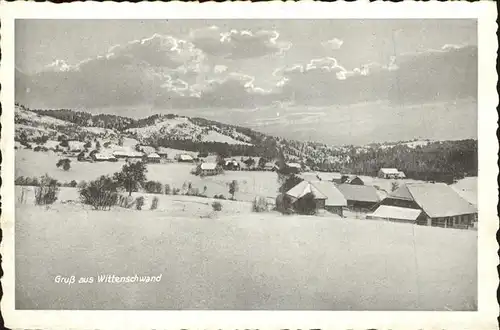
<point>440,205</point>
<point>359,197</point>
<point>153,158</point>
<point>326,196</point>
<point>391,173</point>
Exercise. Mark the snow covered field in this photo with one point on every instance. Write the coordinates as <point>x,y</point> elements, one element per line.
<point>236,259</point>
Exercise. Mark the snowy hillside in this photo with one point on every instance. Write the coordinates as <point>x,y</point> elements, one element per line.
<point>183,128</point>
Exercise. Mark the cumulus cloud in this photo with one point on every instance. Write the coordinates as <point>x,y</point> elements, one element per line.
<point>447,73</point>
<point>238,44</point>
<point>332,44</point>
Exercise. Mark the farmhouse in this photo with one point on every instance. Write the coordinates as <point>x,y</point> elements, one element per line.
<point>329,176</point>
<point>231,165</point>
<point>352,179</point>
<point>127,154</point>
<point>209,169</point>
<point>185,158</point>
<point>270,167</point>
<point>397,214</point>
<point>293,167</point>
<point>162,152</point>
<point>75,145</point>
<point>439,204</point>
<point>153,158</point>
<point>359,198</point>
<point>391,173</point>
<point>303,189</point>
<point>325,194</point>
<point>102,157</point>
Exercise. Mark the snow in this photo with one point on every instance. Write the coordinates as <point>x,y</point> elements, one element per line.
<point>213,136</point>
<point>233,258</point>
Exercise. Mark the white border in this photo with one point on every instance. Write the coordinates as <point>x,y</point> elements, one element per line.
<point>485,318</point>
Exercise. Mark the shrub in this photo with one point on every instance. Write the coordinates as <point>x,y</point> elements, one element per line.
<point>81,184</point>
<point>37,148</point>
<point>176,191</point>
<point>46,192</point>
<point>154,203</point>
<point>139,203</point>
<point>217,206</point>
<point>233,188</point>
<point>73,183</point>
<point>64,163</point>
<point>168,190</point>
<point>126,201</point>
<point>153,187</point>
<point>101,194</point>
<point>259,205</point>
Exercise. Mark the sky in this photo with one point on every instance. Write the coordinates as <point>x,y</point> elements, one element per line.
<point>229,70</point>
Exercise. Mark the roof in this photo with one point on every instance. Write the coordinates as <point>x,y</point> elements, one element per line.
<point>304,188</point>
<point>75,145</point>
<point>103,156</point>
<point>351,178</point>
<point>185,157</point>
<point>129,153</point>
<point>333,195</point>
<point>389,170</point>
<point>153,155</point>
<point>147,149</point>
<point>270,164</point>
<point>329,176</point>
<point>394,212</point>
<point>208,166</point>
<point>359,193</point>
<point>439,200</point>
<point>295,165</point>
<point>308,176</point>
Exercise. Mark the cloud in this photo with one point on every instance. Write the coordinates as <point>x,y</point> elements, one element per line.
<point>433,75</point>
<point>238,44</point>
<point>333,44</point>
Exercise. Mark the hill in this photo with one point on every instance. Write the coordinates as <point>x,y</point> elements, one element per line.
<point>419,159</point>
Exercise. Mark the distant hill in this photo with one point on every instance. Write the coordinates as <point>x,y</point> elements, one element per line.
<point>420,159</point>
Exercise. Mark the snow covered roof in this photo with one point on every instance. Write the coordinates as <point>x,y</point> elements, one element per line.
<point>333,195</point>
<point>294,165</point>
<point>127,153</point>
<point>389,170</point>
<point>304,188</point>
<point>394,212</point>
<point>329,176</point>
<point>185,157</point>
<point>359,193</point>
<point>103,156</point>
<point>153,155</point>
<point>75,145</point>
<point>208,166</point>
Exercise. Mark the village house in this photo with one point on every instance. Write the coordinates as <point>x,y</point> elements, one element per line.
<point>439,206</point>
<point>293,167</point>
<point>127,154</point>
<point>330,176</point>
<point>162,152</point>
<point>391,173</point>
<point>352,179</point>
<point>359,197</point>
<point>76,145</point>
<point>325,194</point>
<point>206,169</point>
<point>153,158</point>
<point>103,157</point>
<point>269,166</point>
<point>232,165</point>
<point>185,158</point>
